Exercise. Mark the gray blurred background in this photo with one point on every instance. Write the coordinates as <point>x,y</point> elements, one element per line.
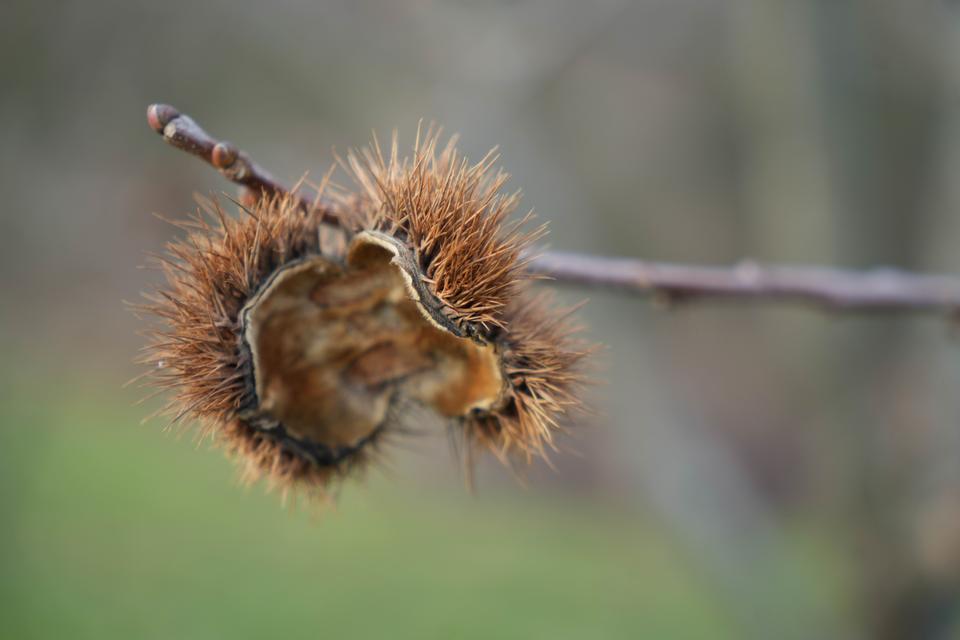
<point>752,471</point>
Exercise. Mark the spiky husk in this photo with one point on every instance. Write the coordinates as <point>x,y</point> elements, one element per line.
<point>452,217</point>
<point>543,361</point>
<point>197,353</point>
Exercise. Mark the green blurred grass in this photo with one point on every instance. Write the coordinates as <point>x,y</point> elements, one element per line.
<point>113,529</point>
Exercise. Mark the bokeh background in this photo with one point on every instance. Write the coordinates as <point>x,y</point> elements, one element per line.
<point>751,472</point>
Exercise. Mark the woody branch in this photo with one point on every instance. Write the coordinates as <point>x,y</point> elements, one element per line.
<point>834,289</point>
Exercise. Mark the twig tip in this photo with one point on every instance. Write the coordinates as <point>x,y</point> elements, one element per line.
<point>159,115</point>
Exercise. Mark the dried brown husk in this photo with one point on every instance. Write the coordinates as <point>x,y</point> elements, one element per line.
<point>444,226</point>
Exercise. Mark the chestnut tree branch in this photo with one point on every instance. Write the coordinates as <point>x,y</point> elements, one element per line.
<point>834,289</point>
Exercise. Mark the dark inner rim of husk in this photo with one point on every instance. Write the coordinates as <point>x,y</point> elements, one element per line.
<point>318,454</point>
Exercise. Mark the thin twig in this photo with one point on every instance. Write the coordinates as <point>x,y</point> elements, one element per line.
<point>834,289</point>
<point>180,131</point>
